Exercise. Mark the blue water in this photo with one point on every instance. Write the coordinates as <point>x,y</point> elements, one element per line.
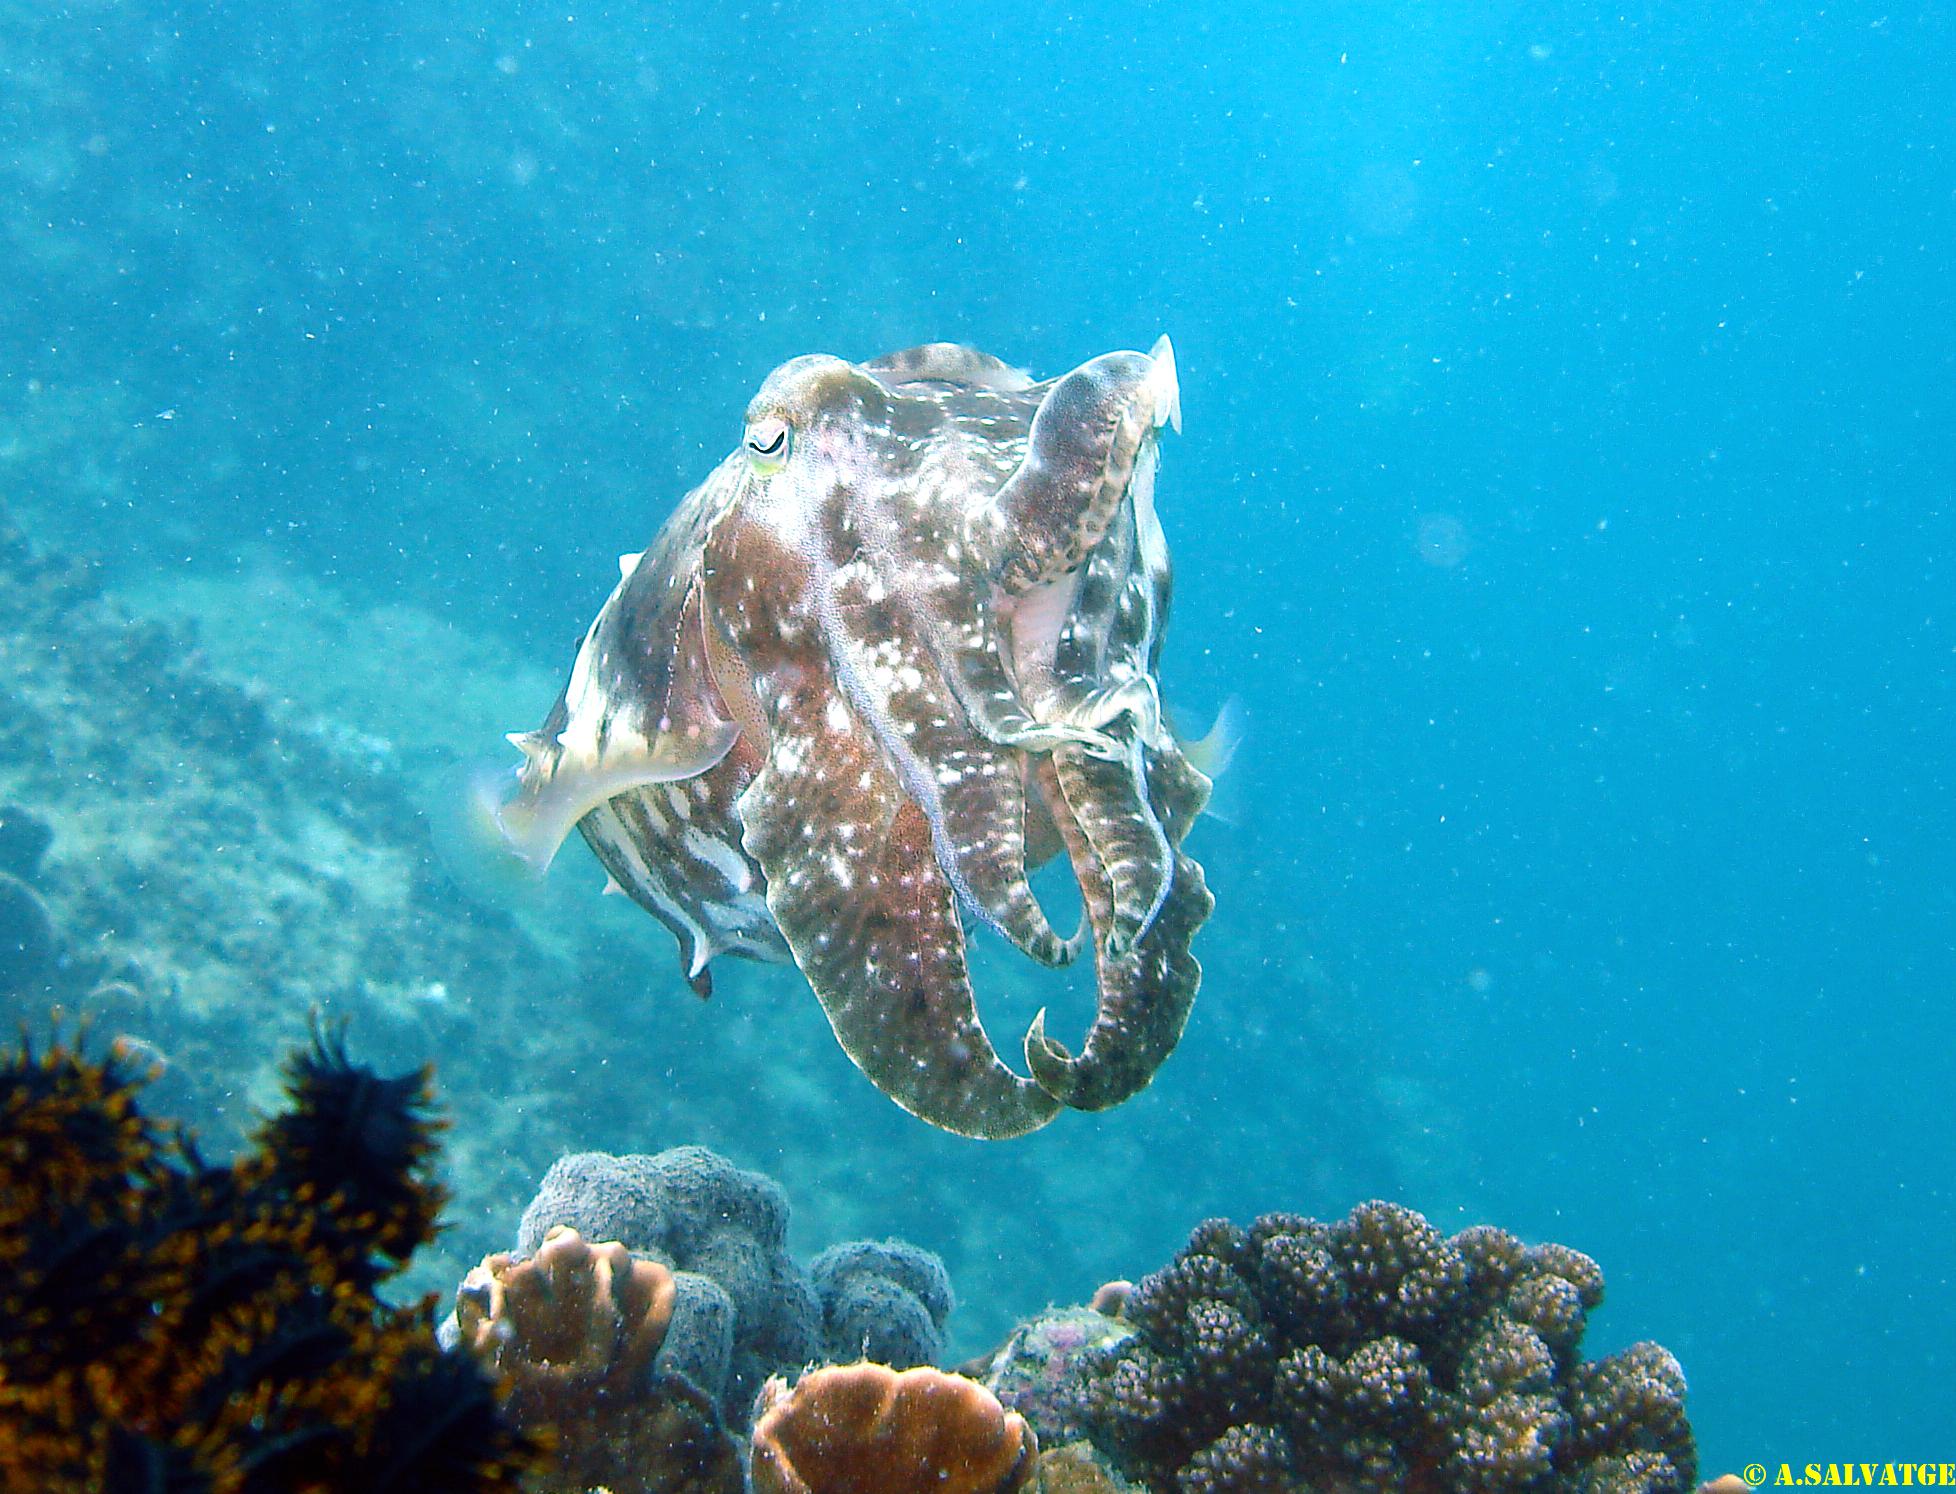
<point>1570,440</point>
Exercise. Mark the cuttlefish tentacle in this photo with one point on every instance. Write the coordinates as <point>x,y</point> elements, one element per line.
<point>857,893</point>
<point>1145,994</point>
<point>972,802</point>
<point>1090,430</point>
<point>1126,844</point>
<point>983,811</point>
<point>992,704</point>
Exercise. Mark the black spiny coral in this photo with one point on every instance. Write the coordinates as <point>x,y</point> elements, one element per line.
<point>361,1143</point>
<point>170,1325</point>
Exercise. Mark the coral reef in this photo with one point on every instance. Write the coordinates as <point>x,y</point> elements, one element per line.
<point>1374,1353</point>
<point>883,1300</point>
<point>1077,1469</point>
<point>572,1334</point>
<point>869,1429</point>
<point>168,1324</point>
<point>1371,1353</point>
<point>165,1323</point>
<point>667,1328</point>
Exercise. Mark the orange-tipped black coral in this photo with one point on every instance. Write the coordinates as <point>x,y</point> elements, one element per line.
<point>170,1325</point>
<point>362,1143</point>
<point>1377,1354</point>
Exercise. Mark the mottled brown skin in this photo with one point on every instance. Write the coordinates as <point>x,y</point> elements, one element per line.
<point>897,651</point>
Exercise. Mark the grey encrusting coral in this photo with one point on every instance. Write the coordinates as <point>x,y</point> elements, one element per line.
<point>884,1300</point>
<point>744,1309</point>
<point>1371,1353</point>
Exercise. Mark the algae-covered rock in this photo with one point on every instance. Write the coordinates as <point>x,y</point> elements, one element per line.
<point>24,839</point>
<point>1037,1371</point>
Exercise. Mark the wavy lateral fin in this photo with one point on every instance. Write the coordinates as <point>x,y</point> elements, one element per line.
<point>555,791</point>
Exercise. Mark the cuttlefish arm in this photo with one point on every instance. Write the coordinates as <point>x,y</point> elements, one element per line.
<point>1090,430</point>
<point>968,790</point>
<point>827,566</point>
<point>854,886</point>
<point>640,708</point>
<point>1128,848</point>
<point>1146,981</point>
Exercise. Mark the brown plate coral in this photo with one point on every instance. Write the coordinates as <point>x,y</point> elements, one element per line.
<point>572,1332</point>
<point>869,1429</point>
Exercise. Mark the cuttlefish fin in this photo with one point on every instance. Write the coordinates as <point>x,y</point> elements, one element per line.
<point>565,778</point>
<point>870,916</point>
<point>1213,752</point>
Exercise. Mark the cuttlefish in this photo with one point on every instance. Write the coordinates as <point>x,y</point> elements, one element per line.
<point>899,649</point>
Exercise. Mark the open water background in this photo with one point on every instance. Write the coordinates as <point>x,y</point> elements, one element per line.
<point>1571,430</point>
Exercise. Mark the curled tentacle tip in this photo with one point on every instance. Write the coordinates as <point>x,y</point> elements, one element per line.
<point>1049,1061</point>
<point>1036,1037</point>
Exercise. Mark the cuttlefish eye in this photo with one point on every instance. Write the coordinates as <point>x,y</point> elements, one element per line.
<point>767,443</point>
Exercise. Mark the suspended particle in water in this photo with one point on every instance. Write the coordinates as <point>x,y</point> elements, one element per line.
<point>1441,540</point>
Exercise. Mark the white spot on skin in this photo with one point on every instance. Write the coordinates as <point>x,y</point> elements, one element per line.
<point>790,753</point>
